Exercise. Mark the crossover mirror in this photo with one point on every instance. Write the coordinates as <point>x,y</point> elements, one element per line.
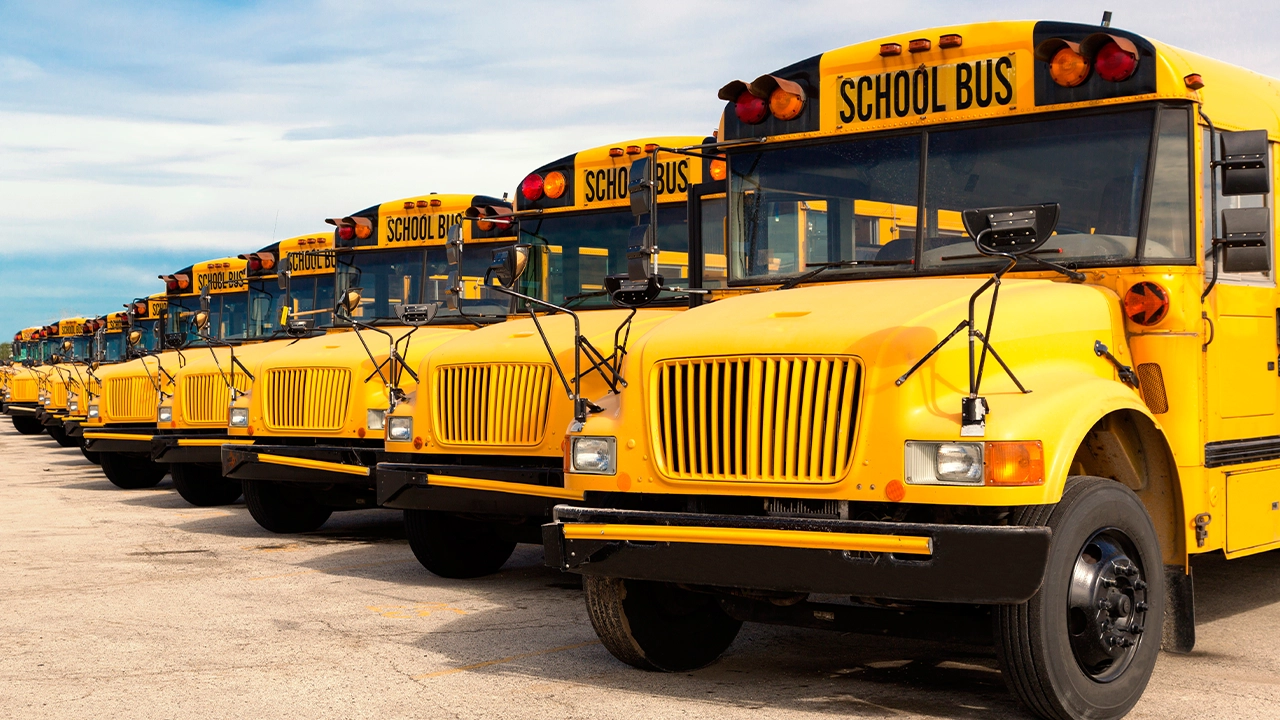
<point>416,315</point>
<point>135,337</point>
<point>1013,230</point>
<point>200,320</point>
<point>350,300</point>
<point>509,264</point>
<point>1246,163</point>
<point>66,346</point>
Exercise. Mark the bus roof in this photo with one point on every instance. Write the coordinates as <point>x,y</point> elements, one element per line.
<point>418,221</point>
<point>597,177</point>
<point>991,70</point>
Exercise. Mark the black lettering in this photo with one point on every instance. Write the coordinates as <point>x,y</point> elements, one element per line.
<point>683,169</point>
<point>622,183</point>
<point>984,99</point>
<point>885,94</point>
<point>864,111</point>
<point>1006,95</point>
<point>920,91</point>
<point>660,177</point>
<point>846,111</point>
<point>937,106</point>
<point>901,93</point>
<point>964,86</point>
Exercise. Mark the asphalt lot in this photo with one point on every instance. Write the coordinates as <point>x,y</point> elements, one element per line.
<point>119,603</point>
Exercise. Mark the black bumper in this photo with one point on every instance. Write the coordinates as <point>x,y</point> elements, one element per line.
<point>188,448</point>
<point>320,464</point>
<point>120,440</point>
<point>48,419</point>
<point>967,564</point>
<point>73,428</point>
<point>21,409</point>
<point>532,492</point>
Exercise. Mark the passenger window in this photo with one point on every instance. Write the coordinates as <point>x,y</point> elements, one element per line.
<point>1168,231</point>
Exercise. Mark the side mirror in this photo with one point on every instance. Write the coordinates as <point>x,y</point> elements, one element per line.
<point>416,315</point>
<point>55,358</point>
<point>1246,163</point>
<point>350,301</point>
<point>453,246</point>
<point>282,274</point>
<point>1011,230</point>
<point>509,264</point>
<point>643,242</point>
<point>95,365</point>
<point>204,297</point>
<point>1246,240</point>
<point>135,337</point>
<point>453,292</point>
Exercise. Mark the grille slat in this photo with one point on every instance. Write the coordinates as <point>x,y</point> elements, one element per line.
<point>771,419</point>
<point>23,390</point>
<point>492,404</point>
<point>206,400</point>
<point>129,399</point>
<point>307,398</point>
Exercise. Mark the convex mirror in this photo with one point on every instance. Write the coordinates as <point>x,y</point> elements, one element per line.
<point>1014,230</point>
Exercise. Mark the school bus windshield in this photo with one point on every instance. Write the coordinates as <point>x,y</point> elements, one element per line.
<point>113,347</point>
<point>79,349</point>
<point>859,199</point>
<point>574,252</point>
<point>308,296</point>
<point>228,317</point>
<point>390,277</point>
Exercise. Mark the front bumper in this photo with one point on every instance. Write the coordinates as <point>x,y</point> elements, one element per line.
<point>486,490</point>
<point>903,561</point>
<point>192,447</point>
<point>49,418</point>
<point>320,464</point>
<point>118,440</point>
<point>21,409</point>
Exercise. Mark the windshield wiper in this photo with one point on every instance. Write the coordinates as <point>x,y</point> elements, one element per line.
<point>1031,256</point>
<point>583,296</point>
<point>823,267</point>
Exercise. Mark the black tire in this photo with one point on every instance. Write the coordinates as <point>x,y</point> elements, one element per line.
<point>130,472</point>
<point>203,485</point>
<point>93,457</point>
<point>282,510</point>
<point>61,437</point>
<point>1064,662</point>
<point>455,547</point>
<point>658,626</point>
<point>27,425</point>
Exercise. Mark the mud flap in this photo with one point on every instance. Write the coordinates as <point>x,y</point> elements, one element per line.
<point>1179,632</point>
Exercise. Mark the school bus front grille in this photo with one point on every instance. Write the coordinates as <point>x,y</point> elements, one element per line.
<point>58,396</point>
<point>306,398</point>
<point>22,390</point>
<point>498,404</point>
<point>206,400</point>
<point>129,399</point>
<point>755,419</point>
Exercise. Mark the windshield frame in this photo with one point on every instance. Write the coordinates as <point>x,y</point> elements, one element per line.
<point>837,274</point>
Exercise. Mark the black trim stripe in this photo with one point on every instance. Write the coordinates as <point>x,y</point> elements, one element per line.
<point>1239,452</point>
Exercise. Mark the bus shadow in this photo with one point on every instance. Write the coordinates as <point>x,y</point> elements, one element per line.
<point>1225,588</point>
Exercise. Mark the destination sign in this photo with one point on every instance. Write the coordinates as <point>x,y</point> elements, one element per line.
<point>929,90</point>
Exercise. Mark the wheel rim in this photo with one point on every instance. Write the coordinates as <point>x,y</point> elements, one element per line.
<point>1106,605</point>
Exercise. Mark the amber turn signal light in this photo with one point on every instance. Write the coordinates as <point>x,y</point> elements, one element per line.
<point>890,49</point>
<point>1014,463</point>
<point>1146,303</point>
<point>950,40</point>
<point>718,170</point>
<point>554,184</point>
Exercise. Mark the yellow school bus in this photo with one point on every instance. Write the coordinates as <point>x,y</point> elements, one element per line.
<point>68,375</point>
<point>244,327</point>
<point>110,345</point>
<point>1031,425</point>
<point>474,458</point>
<point>21,394</point>
<point>316,408</point>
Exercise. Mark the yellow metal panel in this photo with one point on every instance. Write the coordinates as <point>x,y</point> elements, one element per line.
<point>905,544</point>
<point>1240,382</point>
<point>1253,509</point>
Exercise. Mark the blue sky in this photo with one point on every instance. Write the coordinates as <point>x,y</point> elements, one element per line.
<point>137,138</point>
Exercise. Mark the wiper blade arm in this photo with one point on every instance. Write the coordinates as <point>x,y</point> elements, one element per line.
<point>823,267</point>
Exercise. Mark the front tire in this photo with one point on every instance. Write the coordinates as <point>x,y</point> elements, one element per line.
<point>203,485</point>
<point>1085,645</point>
<point>60,436</point>
<point>93,457</point>
<point>281,510</point>
<point>27,425</point>
<point>658,626</point>
<point>455,547</point>
<point>131,473</point>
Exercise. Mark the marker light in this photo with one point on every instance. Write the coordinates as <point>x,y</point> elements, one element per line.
<point>919,45</point>
<point>423,204</point>
<point>616,152</point>
<point>1193,81</point>
<point>1068,67</point>
<point>1114,63</point>
<point>531,188</point>
<point>1146,303</point>
<point>409,205</point>
<point>554,185</point>
<point>718,170</point>
<point>1015,463</point>
<point>950,41</point>
<point>890,49</point>
<point>750,109</point>
<point>633,149</point>
<point>434,203</point>
<point>651,147</point>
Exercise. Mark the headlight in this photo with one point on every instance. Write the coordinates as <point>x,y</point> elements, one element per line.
<point>594,455</point>
<point>400,429</point>
<point>376,419</point>
<point>239,417</point>
<point>93,411</point>
<point>166,413</point>
<point>73,405</point>
<point>943,463</point>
